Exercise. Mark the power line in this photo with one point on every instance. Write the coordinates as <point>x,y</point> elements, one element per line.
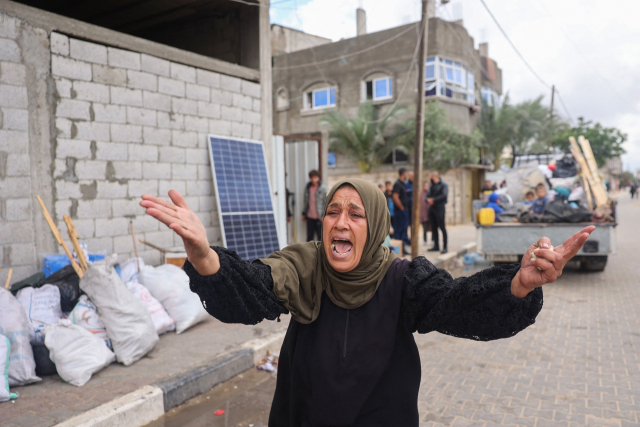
<point>566,110</point>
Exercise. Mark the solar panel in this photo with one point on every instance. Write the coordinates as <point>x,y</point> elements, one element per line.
<point>243,194</point>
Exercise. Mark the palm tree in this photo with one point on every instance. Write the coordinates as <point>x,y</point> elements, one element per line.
<point>361,138</point>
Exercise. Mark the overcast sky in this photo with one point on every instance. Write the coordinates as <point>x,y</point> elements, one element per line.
<point>590,49</point>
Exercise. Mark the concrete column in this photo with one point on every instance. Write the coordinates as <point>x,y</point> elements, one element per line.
<point>266,82</point>
<point>361,22</point>
<point>324,153</point>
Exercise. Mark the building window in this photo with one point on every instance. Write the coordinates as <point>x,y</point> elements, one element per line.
<point>331,160</point>
<point>397,157</point>
<point>491,97</point>
<point>378,89</point>
<point>320,98</point>
<point>430,72</point>
<point>448,78</point>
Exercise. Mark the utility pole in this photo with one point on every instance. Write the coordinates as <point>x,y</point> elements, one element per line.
<point>553,93</point>
<point>419,142</point>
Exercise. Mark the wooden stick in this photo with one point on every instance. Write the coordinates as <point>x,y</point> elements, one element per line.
<point>600,196</point>
<point>73,236</point>
<point>593,166</point>
<point>135,247</point>
<point>58,237</point>
<point>587,191</point>
<point>154,246</point>
<point>6,285</point>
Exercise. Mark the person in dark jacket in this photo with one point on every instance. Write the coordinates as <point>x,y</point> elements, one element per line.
<point>315,194</point>
<point>437,199</point>
<point>349,357</point>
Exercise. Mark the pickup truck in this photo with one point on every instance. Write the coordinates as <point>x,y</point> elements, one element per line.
<point>507,242</point>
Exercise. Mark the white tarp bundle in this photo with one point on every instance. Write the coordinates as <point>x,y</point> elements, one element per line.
<point>76,352</point>
<point>129,269</point>
<point>170,285</point>
<point>85,314</point>
<point>42,306</point>
<point>128,322</point>
<point>161,319</point>
<point>15,326</point>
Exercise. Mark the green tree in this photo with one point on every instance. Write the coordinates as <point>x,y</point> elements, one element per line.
<point>361,138</point>
<point>627,178</point>
<point>606,143</point>
<point>500,128</point>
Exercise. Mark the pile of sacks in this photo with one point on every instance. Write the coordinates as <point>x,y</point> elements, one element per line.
<point>76,327</point>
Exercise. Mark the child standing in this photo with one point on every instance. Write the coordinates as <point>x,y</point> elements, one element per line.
<point>541,202</point>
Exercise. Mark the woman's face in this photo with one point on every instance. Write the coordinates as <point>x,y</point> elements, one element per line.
<point>344,230</point>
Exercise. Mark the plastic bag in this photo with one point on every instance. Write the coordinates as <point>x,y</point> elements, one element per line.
<point>161,319</point>
<point>85,314</point>
<point>77,353</point>
<point>129,269</point>
<point>128,322</point>
<point>53,263</point>
<point>67,280</point>
<point>42,306</point>
<point>35,281</point>
<point>5,352</point>
<point>15,326</point>
<point>566,167</point>
<point>170,285</point>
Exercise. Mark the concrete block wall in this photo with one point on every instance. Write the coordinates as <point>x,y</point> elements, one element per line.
<point>129,124</point>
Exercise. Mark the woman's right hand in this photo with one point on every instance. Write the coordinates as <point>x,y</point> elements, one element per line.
<point>178,217</point>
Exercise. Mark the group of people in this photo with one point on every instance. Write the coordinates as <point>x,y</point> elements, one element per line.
<point>537,201</point>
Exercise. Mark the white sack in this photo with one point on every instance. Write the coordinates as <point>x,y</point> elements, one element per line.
<point>129,269</point>
<point>84,314</point>
<point>127,320</point>
<point>76,352</point>
<point>15,326</point>
<point>170,285</point>
<point>161,319</point>
<point>42,306</point>
<point>563,182</point>
<point>5,351</point>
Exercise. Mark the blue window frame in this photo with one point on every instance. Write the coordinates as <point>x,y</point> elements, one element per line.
<point>430,71</point>
<point>323,98</point>
<point>382,88</point>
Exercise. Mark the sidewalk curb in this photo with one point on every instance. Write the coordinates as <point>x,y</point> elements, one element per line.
<point>443,260</point>
<point>150,402</point>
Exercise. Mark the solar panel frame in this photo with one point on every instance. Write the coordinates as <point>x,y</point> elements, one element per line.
<point>242,213</point>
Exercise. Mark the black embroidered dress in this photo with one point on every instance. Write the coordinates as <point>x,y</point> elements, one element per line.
<point>361,367</point>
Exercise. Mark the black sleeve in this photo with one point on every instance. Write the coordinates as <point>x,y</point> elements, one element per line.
<point>240,292</point>
<point>443,195</point>
<point>397,188</point>
<point>479,307</point>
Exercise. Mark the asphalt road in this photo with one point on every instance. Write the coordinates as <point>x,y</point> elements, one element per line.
<point>578,365</point>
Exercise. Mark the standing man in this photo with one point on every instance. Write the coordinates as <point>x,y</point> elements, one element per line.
<point>314,197</point>
<point>400,210</point>
<point>437,199</point>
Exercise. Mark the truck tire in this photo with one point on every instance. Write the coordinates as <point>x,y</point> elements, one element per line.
<point>595,264</point>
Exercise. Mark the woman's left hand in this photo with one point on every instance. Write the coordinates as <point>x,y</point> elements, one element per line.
<point>550,263</point>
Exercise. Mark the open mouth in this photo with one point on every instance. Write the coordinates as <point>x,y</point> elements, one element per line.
<point>341,247</point>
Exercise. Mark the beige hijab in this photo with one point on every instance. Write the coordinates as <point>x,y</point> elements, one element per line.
<point>301,272</point>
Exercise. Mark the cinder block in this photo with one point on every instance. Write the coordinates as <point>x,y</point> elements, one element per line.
<point>145,153</point>
<point>127,207</point>
<point>111,190</point>
<point>171,87</point>
<point>89,91</point>
<point>111,226</point>
<point>183,72</point>
<point>14,141</point>
<point>62,66</point>
<point>155,136</point>
<point>251,117</point>
<point>9,50</point>
<point>126,133</point>
<point>160,238</point>
<point>18,165</point>
<point>164,186</point>
<point>205,218</point>
<point>124,244</point>
<point>142,80</point>
<point>100,244</point>
<point>242,101</point>
<point>144,223</point>
<point>84,227</point>
<point>203,140</point>
<point>13,73</point>
<point>206,109</point>
<point>152,64</point>
<point>15,119</point>
<point>12,232</point>
<point>62,207</point>
<point>17,210</point>
<point>127,170</point>
<point>156,101</point>
<point>109,113</point>
<point>59,44</point>
<point>170,120</point>
<point>156,170</point>
<point>13,96</point>
<point>9,26</point>
<point>256,132</point>
<point>257,105</point>
<point>230,83</point>
<point>186,172</point>
<point>184,106</point>
<point>67,190</point>
<point>207,78</point>
<point>92,131</point>
<point>24,253</point>
<point>172,154</point>
<point>213,233</point>
<point>91,169</point>
<point>73,109</point>
<point>197,156</point>
<point>222,97</point>
<point>220,127</point>
<point>250,88</point>
<point>146,186</point>
<point>63,127</point>
<point>123,58</point>
<point>207,203</point>
<point>141,116</point>
<point>125,96</point>
<point>184,139</point>
<point>59,168</point>
<point>193,203</point>
<point>204,170</point>
<point>196,124</point>
<point>88,52</point>
<point>111,151</point>
<point>63,87</point>
<point>199,93</point>
<point>241,130</point>
<point>199,188</point>
<point>73,148</point>
<point>233,114</point>
<point>109,76</point>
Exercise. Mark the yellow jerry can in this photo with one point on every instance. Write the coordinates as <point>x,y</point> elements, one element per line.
<point>486,216</point>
